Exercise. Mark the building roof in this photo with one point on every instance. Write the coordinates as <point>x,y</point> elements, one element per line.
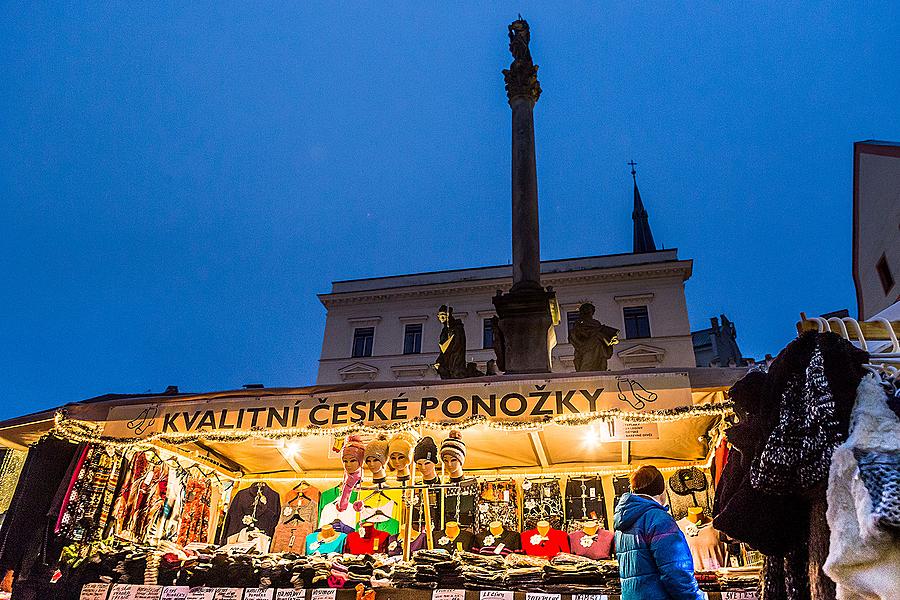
<point>548,267</point>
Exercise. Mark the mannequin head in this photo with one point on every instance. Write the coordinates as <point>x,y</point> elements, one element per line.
<point>543,527</point>
<point>451,529</point>
<point>352,454</point>
<point>453,454</point>
<point>400,448</point>
<point>426,455</point>
<point>590,527</point>
<point>376,457</point>
<point>495,527</point>
<point>426,468</point>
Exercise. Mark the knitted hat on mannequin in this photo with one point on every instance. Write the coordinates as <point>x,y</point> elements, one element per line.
<point>426,449</point>
<point>377,449</point>
<point>354,447</point>
<point>454,446</point>
<point>402,442</point>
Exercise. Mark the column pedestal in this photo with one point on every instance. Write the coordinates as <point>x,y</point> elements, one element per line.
<point>525,321</point>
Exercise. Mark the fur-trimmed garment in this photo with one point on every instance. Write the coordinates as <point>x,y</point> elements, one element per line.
<point>864,560</point>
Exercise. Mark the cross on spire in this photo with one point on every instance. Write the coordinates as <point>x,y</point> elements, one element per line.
<point>633,164</point>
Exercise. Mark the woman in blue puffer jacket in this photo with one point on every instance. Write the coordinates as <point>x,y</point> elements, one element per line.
<point>654,559</point>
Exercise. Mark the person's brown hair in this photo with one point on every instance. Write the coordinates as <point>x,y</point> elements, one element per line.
<point>647,480</point>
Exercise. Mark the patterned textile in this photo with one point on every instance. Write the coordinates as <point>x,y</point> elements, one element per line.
<point>81,516</point>
<point>459,505</point>
<point>541,501</point>
<point>299,518</point>
<point>143,495</point>
<point>499,502</point>
<point>584,502</point>
<point>697,492</point>
<point>10,469</point>
<point>194,524</point>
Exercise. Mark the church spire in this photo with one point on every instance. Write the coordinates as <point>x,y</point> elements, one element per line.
<point>643,237</point>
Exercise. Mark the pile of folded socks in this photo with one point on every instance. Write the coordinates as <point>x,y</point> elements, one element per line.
<point>525,578</point>
<point>567,574</point>
<point>738,579</point>
<point>438,567</point>
<point>482,571</point>
<point>707,580</point>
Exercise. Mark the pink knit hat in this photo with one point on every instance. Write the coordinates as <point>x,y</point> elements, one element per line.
<point>355,448</point>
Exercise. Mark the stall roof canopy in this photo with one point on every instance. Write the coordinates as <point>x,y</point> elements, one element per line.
<point>511,424</point>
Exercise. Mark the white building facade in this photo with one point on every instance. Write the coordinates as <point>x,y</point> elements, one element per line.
<point>386,328</point>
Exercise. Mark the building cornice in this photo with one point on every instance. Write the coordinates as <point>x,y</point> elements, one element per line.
<point>640,272</point>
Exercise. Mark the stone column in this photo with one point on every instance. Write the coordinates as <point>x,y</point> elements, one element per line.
<point>524,311</point>
<point>526,250</point>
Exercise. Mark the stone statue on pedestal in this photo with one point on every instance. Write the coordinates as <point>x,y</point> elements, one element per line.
<point>593,341</point>
<point>451,363</point>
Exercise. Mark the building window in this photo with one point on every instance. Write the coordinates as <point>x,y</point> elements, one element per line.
<point>637,322</point>
<point>884,273</point>
<point>363,337</point>
<point>572,317</point>
<point>487,336</point>
<point>412,339</point>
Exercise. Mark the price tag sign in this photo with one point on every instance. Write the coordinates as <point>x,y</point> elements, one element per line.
<point>743,595</point>
<point>536,596</point>
<point>175,592</point>
<point>146,592</point>
<point>228,594</point>
<point>94,591</point>
<point>290,594</point>
<point>495,595</point>
<point>258,594</point>
<point>201,594</point>
<point>590,597</point>
<point>323,594</point>
<point>448,595</point>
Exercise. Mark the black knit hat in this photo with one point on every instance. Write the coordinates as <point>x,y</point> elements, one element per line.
<point>426,449</point>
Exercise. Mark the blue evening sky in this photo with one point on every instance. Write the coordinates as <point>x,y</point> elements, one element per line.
<point>179,180</point>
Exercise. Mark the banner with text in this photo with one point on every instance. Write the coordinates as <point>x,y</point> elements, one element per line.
<point>501,401</point>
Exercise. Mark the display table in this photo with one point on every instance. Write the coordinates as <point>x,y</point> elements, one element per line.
<point>152,592</point>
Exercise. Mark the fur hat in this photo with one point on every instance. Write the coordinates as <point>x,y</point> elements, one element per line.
<point>426,449</point>
<point>377,449</point>
<point>354,447</point>
<point>402,442</point>
<point>454,446</point>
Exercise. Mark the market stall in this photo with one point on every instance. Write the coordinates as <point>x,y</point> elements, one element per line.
<point>307,488</point>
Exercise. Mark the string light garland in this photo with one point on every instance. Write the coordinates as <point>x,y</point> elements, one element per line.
<point>86,431</point>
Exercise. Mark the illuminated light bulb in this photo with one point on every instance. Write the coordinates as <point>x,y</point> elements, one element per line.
<point>591,437</point>
<point>292,448</point>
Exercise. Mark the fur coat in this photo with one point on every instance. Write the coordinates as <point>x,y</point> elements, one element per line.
<point>863,559</point>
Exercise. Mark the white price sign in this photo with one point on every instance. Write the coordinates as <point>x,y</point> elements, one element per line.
<point>329,594</point>
<point>590,597</point>
<point>258,594</point>
<point>536,596</point>
<point>744,595</point>
<point>495,595</point>
<point>228,594</point>
<point>201,594</point>
<point>175,592</point>
<point>94,591</point>
<point>448,595</point>
<point>290,594</point>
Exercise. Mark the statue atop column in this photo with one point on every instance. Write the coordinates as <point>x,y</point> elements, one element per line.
<point>451,363</point>
<point>521,77</point>
<point>593,341</point>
